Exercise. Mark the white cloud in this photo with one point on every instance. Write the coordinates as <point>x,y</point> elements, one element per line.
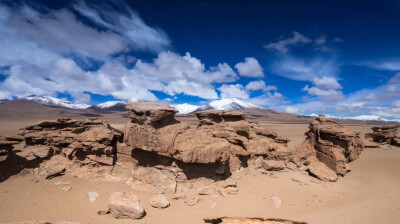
<point>250,68</point>
<point>326,83</point>
<point>170,66</point>
<point>327,95</point>
<point>259,85</point>
<point>391,64</point>
<point>236,91</point>
<point>282,46</point>
<point>191,88</point>
<point>127,23</point>
<point>305,69</point>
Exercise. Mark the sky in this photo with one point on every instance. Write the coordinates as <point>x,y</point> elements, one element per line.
<point>340,58</point>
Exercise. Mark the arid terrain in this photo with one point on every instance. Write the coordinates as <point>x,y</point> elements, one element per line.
<point>368,194</point>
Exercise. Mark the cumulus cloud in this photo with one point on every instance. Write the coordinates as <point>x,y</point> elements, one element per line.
<point>259,85</point>
<point>236,91</point>
<point>250,68</point>
<point>171,66</point>
<point>327,95</point>
<point>326,83</point>
<point>283,45</point>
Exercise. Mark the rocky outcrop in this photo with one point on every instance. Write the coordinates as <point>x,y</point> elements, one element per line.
<point>385,134</point>
<point>90,142</point>
<point>7,145</point>
<point>170,150</point>
<point>329,143</point>
<point>168,153</point>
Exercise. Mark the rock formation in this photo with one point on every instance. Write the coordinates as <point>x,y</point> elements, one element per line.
<point>6,145</point>
<point>385,134</point>
<point>329,143</point>
<point>92,141</point>
<point>168,151</point>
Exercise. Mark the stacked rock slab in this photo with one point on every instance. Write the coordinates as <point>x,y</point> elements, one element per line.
<point>6,145</point>
<point>331,144</point>
<point>89,142</point>
<point>385,134</point>
<point>221,137</point>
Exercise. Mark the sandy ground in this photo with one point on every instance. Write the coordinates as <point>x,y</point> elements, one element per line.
<point>368,194</point>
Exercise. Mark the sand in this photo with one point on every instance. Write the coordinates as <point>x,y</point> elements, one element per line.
<point>370,193</point>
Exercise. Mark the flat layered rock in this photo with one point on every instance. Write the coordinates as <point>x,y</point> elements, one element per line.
<point>322,172</point>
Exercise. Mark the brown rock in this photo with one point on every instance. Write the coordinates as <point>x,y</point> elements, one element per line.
<point>155,114</point>
<point>91,141</point>
<point>37,151</point>
<point>322,172</point>
<point>125,206</point>
<point>273,165</point>
<point>331,143</point>
<point>159,201</point>
<point>389,134</point>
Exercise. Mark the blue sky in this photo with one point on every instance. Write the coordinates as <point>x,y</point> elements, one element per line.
<point>334,57</point>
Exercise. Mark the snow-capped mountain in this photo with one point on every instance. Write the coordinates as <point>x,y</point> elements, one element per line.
<point>230,104</point>
<point>53,101</point>
<point>185,108</point>
<point>109,104</point>
<point>222,104</point>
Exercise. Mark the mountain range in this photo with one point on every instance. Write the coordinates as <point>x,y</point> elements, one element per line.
<point>185,108</point>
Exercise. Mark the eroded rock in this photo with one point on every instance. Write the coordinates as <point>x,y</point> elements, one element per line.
<point>329,143</point>
<point>389,134</point>
<point>90,142</point>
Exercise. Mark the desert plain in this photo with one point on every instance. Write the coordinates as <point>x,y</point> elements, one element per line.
<point>370,193</point>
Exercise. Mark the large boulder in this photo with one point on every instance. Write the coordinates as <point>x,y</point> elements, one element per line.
<point>389,134</point>
<point>125,206</point>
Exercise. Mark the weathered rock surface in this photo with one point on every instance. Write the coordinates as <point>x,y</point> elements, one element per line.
<point>125,206</point>
<point>91,142</point>
<point>159,201</point>
<point>6,145</point>
<point>385,134</point>
<point>329,143</point>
